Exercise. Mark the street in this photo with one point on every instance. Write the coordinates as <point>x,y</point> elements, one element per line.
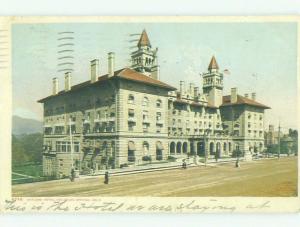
<point>272,177</point>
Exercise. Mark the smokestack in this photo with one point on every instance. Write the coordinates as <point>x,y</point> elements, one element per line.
<point>55,86</point>
<point>196,92</point>
<point>68,81</point>
<point>246,95</point>
<point>253,96</point>
<point>182,87</point>
<point>94,70</point>
<point>233,97</point>
<point>111,64</point>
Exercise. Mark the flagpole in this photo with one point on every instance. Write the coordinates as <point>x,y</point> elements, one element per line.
<point>71,144</point>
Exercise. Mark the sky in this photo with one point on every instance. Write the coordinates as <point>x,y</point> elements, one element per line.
<point>261,58</point>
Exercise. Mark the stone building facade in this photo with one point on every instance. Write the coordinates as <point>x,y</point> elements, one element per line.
<point>130,117</point>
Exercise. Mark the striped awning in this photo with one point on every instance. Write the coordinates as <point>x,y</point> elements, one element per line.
<point>159,145</point>
<point>131,146</point>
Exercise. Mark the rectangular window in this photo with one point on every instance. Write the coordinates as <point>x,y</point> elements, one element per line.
<point>145,127</point>
<point>158,116</point>
<point>145,115</point>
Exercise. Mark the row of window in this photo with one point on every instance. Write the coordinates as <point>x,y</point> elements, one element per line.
<point>145,101</point>
<point>63,146</point>
<point>260,116</point>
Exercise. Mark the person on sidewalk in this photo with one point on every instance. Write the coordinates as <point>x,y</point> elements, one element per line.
<point>106,177</point>
<point>72,177</point>
<point>237,163</point>
<point>183,164</point>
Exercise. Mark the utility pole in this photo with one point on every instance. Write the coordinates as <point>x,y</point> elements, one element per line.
<point>279,140</point>
<point>71,142</point>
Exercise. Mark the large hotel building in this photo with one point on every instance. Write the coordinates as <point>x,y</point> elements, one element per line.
<point>129,117</point>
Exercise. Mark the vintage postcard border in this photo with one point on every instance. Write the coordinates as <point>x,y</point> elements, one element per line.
<point>123,204</point>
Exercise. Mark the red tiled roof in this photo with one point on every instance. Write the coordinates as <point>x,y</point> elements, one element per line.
<point>133,75</point>
<point>125,73</point>
<point>241,100</point>
<point>213,64</point>
<point>144,40</point>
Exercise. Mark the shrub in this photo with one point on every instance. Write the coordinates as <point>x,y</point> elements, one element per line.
<point>123,165</point>
<point>147,158</point>
<point>172,159</point>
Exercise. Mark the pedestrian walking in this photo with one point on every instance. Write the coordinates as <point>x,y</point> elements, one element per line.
<point>184,164</point>
<point>72,177</point>
<point>237,164</point>
<point>106,177</point>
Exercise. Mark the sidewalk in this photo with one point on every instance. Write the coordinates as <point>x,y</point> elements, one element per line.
<point>161,167</point>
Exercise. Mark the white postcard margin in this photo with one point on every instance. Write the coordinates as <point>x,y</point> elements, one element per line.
<point>9,204</point>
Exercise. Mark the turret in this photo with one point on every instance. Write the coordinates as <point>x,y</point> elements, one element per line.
<point>144,60</point>
<point>213,84</point>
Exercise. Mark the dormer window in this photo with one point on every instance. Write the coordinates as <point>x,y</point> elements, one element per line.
<point>145,101</point>
<point>131,99</point>
<point>158,103</point>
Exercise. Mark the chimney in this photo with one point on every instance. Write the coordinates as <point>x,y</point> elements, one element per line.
<point>111,64</point>
<point>68,81</point>
<point>246,95</point>
<point>182,87</point>
<point>253,95</point>
<point>55,86</point>
<point>233,97</point>
<point>94,70</point>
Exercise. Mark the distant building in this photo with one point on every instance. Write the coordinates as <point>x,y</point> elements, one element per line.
<point>129,117</point>
<point>272,136</point>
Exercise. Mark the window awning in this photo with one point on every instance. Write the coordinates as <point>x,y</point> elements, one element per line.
<point>131,111</point>
<point>131,146</point>
<point>159,146</point>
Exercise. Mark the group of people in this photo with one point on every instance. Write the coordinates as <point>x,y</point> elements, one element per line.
<point>73,175</point>
<point>106,175</point>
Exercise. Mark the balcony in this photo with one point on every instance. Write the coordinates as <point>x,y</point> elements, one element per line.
<point>146,120</point>
<point>159,122</point>
<point>131,119</point>
<point>106,119</point>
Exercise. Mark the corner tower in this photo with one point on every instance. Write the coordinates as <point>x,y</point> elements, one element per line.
<point>213,84</point>
<point>144,59</point>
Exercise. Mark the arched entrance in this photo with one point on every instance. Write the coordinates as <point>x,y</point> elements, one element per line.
<point>178,148</point>
<point>218,150</point>
<point>159,150</point>
<point>211,148</point>
<point>185,147</point>
<point>192,148</point>
<point>201,149</point>
<point>172,148</point>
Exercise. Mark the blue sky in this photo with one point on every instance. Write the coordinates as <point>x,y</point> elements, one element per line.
<point>260,56</point>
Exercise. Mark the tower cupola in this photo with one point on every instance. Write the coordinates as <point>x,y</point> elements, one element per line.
<point>144,59</point>
<point>213,83</point>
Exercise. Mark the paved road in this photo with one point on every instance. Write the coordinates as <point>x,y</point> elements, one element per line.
<point>271,177</point>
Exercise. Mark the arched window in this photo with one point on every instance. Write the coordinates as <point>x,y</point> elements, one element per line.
<point>225,147</point>
<point>145,101</point>
<point>145,147</point>
<point>172,148</point>
<point>131,99</point>
<point>185,147</point>
<point>178,148</point>
<point>158,103</point>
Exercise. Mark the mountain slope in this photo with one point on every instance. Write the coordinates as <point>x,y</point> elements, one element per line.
<point>26,126</point>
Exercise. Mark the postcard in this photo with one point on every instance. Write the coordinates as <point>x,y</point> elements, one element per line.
<point>149,114</point>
